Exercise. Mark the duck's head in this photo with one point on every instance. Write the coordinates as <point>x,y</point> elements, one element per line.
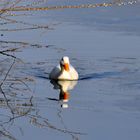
<point>64,63</point>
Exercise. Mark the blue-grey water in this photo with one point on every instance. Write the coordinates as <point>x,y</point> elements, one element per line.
<point>103,44</point>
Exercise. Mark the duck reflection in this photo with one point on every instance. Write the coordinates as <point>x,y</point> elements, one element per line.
<point>64,87</point>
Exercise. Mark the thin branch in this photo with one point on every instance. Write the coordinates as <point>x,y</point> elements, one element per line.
<point>22,29</point>
<point>7,135</point>
<point>57,7</point>
<point>6,54</point>
<point>7,73</point>
<point>24,23</point>
<point>23,43</point>
<point>1,84</point>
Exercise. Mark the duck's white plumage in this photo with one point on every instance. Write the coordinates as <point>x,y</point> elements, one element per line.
<point>64,71</point>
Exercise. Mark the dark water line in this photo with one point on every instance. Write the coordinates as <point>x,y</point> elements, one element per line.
<point>43,77</point>
<point>99,75</point>
<point>87,76</point>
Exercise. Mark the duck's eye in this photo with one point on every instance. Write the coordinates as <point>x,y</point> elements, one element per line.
<point>62,59</point>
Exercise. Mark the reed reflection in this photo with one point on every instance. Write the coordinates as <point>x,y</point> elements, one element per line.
<point>64,87</point>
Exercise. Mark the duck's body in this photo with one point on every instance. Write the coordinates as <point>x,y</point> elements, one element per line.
<point>57,74</point>
<point>64,71</point>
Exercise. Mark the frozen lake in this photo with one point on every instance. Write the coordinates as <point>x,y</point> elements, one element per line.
<point>103,44</point>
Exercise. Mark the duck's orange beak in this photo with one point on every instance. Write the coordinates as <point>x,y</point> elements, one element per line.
<point>66,67</point>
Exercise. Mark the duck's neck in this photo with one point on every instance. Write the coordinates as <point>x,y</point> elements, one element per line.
<point>62,68</point>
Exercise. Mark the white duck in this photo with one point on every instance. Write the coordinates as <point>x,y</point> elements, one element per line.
<point>64,71</point>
